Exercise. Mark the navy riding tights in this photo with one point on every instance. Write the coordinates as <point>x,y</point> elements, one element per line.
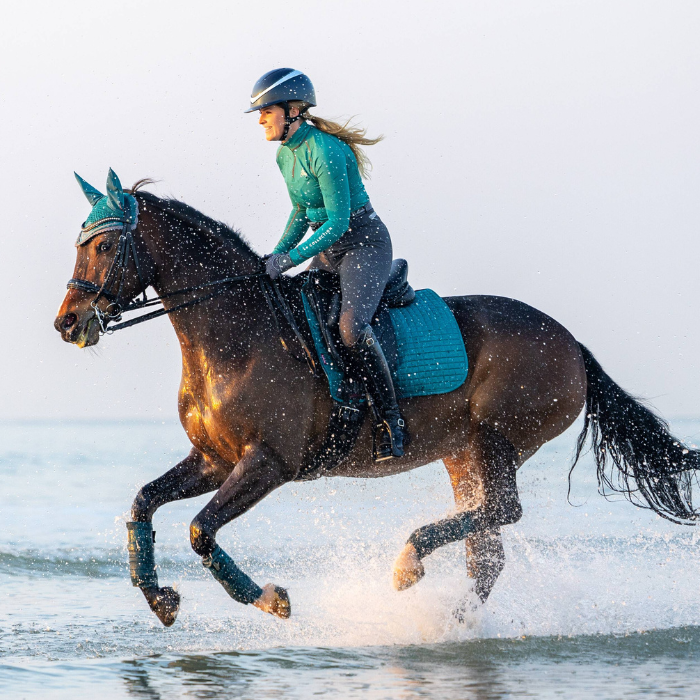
<point>362,257</point>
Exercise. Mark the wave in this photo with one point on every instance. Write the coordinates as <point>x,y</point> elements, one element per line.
<point>114,563</point>
<point>304,558</point>
<point>107,564</point>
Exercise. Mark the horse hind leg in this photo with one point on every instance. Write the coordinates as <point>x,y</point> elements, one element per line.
<point>475,485</point>
<point>191,477</point>
<point>485,560</point>
<point>486,496</point>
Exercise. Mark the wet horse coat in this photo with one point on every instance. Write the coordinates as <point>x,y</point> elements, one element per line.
<point>255,415</point>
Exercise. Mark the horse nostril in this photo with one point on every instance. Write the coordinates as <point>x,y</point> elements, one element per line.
<point>68,321</point>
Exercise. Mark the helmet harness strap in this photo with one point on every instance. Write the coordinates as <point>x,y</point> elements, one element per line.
<point>288,121</point>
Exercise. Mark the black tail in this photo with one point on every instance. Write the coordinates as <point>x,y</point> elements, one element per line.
<point>634,452</point>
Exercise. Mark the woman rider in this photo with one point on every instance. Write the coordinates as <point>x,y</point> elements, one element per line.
<point>323,166</point>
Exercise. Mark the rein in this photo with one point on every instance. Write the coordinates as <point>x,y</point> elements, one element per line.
<point>126,249</point>
<point>106,317</point>
<point>110,319</point>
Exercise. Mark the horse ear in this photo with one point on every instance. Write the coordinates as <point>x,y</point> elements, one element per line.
<point>93,195</point>
<point>115,191</point>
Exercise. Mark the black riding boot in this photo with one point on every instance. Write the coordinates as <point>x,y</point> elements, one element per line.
<point>381,386</point>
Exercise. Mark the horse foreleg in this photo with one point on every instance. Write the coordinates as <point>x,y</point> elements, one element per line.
<point>486,496</point>
<point>191,477</point>
<point>258,473</point>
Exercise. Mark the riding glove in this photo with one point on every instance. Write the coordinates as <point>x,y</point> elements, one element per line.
<point>277,263</point>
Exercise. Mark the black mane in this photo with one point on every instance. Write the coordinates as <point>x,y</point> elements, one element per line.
<point>196,220</point>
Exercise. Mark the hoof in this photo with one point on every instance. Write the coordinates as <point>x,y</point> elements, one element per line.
<point>281,605</point>
<point>408,568</point>
<point>466,611</point>
<point>165,603</point>
<point>274,600</point>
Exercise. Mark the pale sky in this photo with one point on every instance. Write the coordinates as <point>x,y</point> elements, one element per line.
<point>547,151</point>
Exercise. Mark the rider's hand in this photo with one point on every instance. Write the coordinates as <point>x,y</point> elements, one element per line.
<point>277,263</point>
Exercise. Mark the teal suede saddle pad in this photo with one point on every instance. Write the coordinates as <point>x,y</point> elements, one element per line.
<point>422,343</point>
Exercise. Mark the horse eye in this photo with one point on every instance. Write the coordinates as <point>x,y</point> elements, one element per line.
<point>104,247</point>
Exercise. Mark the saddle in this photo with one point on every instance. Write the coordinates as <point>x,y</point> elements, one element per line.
<point>397,292</point>
<point>418,333</point>
<point>321,297</point>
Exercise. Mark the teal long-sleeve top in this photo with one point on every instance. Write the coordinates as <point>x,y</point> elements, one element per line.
<point>324,185</point>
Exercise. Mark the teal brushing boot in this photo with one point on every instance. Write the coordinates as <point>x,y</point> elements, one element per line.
<point>164,602</point>
<point>243,589</point>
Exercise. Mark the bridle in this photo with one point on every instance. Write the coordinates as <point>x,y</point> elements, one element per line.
<point>119,305</point>
<point>110,319</point>
<point>116,274</point>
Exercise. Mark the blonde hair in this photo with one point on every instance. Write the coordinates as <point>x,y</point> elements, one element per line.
<point>355,136</point>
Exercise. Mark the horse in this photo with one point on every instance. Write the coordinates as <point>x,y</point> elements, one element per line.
<point>255,415</point>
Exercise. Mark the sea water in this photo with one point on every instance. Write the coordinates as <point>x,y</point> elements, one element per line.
<point>598,598</point>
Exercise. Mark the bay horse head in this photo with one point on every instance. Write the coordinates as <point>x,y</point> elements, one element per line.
<point>113,265</point>
<point>133,239</point>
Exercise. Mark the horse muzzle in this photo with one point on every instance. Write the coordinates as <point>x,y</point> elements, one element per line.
<point>83,332</point>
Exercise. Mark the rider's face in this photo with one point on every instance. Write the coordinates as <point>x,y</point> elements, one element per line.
<point>272,120</point>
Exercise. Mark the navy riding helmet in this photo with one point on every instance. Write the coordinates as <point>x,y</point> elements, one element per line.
<point>280,86</point>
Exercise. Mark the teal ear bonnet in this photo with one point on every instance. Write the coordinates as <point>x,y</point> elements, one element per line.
<point>116,210</point>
